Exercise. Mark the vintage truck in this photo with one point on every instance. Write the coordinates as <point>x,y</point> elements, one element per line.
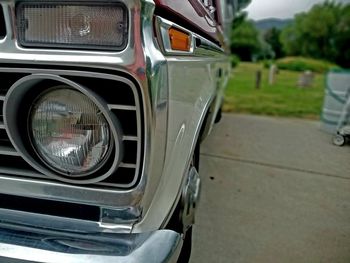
<point>103,105</point>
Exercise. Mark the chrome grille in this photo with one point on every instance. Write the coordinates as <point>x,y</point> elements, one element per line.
<point>123,101</point>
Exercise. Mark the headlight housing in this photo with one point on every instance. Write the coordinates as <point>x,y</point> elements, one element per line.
<point>69,132</point>
<point>72,25</point>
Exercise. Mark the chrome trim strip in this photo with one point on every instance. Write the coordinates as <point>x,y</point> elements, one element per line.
<point>206,46</point>
<point>161,246</point>
<point>22,219</point>
<point>2,125</point>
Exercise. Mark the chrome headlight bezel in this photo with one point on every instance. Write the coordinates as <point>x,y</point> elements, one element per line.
<point>22,23</point>
<point>17,96</point>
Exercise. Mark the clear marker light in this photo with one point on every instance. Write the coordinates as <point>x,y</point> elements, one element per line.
<point>72,25</point>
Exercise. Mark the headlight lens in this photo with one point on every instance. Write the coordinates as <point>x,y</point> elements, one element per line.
<point>91,26</point>
<point>69,132</point>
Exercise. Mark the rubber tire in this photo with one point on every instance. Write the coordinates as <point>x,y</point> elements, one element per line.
<point>176,225</point>
<point>218,116</point>
<point>339,140</point>
<point>186,249</point>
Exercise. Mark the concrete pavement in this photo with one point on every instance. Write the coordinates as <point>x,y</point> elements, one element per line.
<point>274,190</point>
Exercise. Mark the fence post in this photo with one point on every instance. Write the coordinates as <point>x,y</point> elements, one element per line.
<point>258,79</point>
<point>272,74</point>
<point>306,79</point>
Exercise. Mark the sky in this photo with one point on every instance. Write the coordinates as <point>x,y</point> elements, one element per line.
<point>260,9</point>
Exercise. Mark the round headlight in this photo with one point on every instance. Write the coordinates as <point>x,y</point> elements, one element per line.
<point>69,132</point>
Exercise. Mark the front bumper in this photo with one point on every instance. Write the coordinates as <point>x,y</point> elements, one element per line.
<point>23,245</point>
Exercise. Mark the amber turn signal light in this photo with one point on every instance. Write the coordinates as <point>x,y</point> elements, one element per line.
<point>179,40</point>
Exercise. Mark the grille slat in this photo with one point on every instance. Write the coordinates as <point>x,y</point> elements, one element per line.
<point>128,165</point>
<point>122,101</point>
<point>4,139</point>
<point>126,176</point>
<point>130,138</point>
<point>1,106</point>
<point>29,173</point>
<point>15,165</point>
<point>6,150</point>
<point>122,107</point>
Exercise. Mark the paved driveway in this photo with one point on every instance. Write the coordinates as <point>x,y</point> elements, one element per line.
<point>274,190</point>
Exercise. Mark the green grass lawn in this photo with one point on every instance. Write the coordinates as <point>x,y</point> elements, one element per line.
<point>284,98</point>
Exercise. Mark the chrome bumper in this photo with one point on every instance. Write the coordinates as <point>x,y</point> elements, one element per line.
<point>51,247</point>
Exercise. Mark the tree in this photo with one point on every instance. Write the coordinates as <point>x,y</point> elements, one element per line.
<point>321,33</point>
<point>272,37</point>
<point>341,39</point>
<point>244,38</point>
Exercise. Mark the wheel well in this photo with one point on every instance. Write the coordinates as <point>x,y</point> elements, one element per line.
<point>175,222</point>
<point>205,128</point>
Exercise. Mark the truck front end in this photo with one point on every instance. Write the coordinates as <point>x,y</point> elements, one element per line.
<point>101,113</point>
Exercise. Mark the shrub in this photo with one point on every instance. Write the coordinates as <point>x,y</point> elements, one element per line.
<point>302,64</point>
<point>234,60</point>
<point>267,63</point>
